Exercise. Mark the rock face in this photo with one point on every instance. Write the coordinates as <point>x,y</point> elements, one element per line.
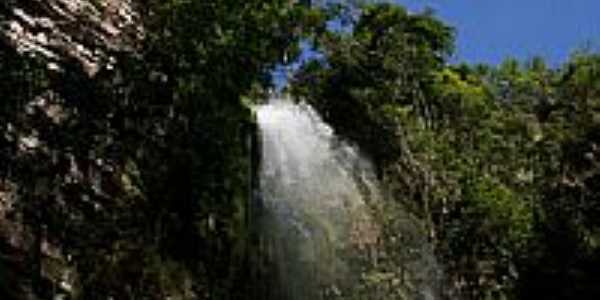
<point>84,34</point>
<point>81,36</point>
<point>83,31</point>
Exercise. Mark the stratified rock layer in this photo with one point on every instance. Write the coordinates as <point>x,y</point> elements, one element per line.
<point>82,31</point>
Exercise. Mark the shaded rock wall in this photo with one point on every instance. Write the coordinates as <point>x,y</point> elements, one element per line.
<point>72,39</point>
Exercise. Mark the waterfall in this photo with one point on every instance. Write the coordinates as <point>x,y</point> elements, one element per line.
<point>323,221</point>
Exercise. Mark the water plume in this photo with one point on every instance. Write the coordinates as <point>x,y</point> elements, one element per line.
<point>325,219</point>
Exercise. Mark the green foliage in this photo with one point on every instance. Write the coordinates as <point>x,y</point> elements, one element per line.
<point>498,162</point>
<point>388,60</point>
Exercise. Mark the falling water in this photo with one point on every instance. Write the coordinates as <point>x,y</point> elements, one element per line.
<point>322,226</point>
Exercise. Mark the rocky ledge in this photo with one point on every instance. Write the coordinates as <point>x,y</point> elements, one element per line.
<point>86,32</point>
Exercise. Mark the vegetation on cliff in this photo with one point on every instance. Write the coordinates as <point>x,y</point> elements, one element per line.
<point>133,181</point>
<point>500,162</point>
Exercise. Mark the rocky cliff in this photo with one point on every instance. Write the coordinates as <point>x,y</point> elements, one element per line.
<point>67,39</point>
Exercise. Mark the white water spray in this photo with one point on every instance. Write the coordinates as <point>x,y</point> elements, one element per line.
<point>321,196</point>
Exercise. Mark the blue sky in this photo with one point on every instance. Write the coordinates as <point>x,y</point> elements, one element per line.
<point>490,30</point>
